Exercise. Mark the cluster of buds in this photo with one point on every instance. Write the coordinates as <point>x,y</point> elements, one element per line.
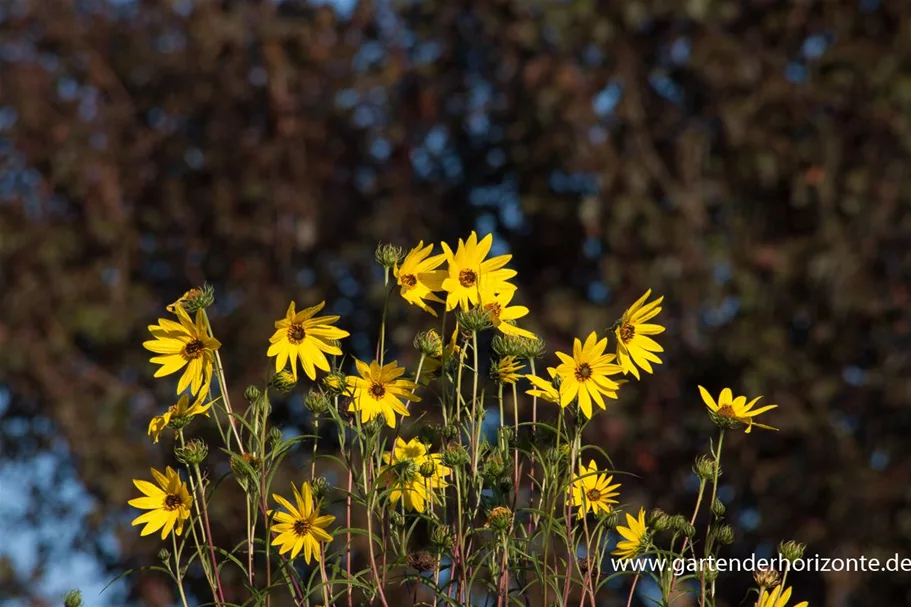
<point>321,487</point>
<point>679,524</point>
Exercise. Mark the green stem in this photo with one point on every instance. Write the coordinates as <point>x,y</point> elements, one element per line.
<point>382,353</point>
<point>177,576</point>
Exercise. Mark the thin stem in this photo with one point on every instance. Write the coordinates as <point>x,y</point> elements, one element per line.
<point>632,590</point>
<point>205,518</point>
<point>474,406</point>
<point>382,346</point>
<point>177,576</point>
<point>224,388</point>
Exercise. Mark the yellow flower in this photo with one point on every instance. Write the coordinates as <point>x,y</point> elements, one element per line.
<point>419,278</point>
<point>506,370</point>
<point>593,491</point>
<point>412,474</point>
<point>497,307</point>
<point>634,347</point>
<point>777,598</point>
<point>731,412</point>
<point>469,271</point>
<point>168,503</point>
<point>378,390</point>
<point>182,412</point>
<point>543,388</point>
<point>301,526</point>
<point>433,364</point>
<point>184,344</point>
<point>172,308</point>
<point>635,534</point>
<point>300,335</point>
<point>585,374</point>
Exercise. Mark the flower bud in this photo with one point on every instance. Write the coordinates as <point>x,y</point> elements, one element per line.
<point>450,432</point>
<point>455,455</point>
<point>316,402</point>
<point>725,534</point>
<point>533,348</point>
<point>422,560</point>
<point>335,383</point>
<point>429,343</point>
<point>164,555</point>
<point>321,487</point>
<point>505,370</point>
<point>474,320</point>
<point>284,381</point>
<point>704,467</point>
<point>611,518</point>
<point>276,436</point>
<point>791,551</point>
<point>766,578</point>
<point>494,467</point>
<point>500,519</point>
<point>710,573</point>
<point>428,468</point>
<point>507,345</point>
<point>73,598</point>
<point>388,255</point>
<point>718,508</point>
<point>441,537</point>
<point>506,436</point>
<point>193,453</point>
<point>658,520</point>
<point>252,394</point>
<point>197,298</point>
<point>396,520</point>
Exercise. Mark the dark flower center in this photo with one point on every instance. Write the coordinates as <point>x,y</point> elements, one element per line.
<point>583,372</point>
<point>593,495</point>
<point>494,309</point>
<point>194,349</point>
<point>627,332</point>
<point>302,527</point>
<point>172,501</point>
<point>727,411</point>
<point>296,333</point>
<point>377,390</point>
<point>409,280</point>
<point>468,278</point>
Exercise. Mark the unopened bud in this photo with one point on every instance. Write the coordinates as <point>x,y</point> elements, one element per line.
<point>725,534</point>
<point>252,394</point>
<point>193,453</point>
<point>321,487</point>
<point>474,320</point>
<point>441,537</point>
<point>396,520</point>
<point>791,550</point>
<point>450,432</point>
<point>316,402</point>
<point>507,345</point>
<point>455,455</point>
<point>73,598</point>
<point>718,508</point>
<point>611,518</point>
<point>428,468</point>
<point>388,255</point>
<point>429,343</point>
<point>500,519</point>
<point>704,467</point>
<point>710,572</point>
<point>658,520</point>
<point>284,381</point>
<point>276,436</point>
<point>336,383</point>
<point>533,348</point>
<point>164,555</point>
<point>766,578</point>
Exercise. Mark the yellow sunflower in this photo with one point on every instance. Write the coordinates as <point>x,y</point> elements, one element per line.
<point>301,336</point>
<point>634,348</point>
<point>635,534</point>
<point>506,370</point>
<point>181,413</point>
<point>419,278</point>
<point>593,491</point>
<point>413,474</point>
<point>501,315</point>
<point>379,390</point>
<point>184,344</point>
<point>301,526</point>
<point>730,412</point>
<point>168,503</point>
<point>777,598</point>
<point>585,374</point>
<point>543,388</point>
<point>468,270</point>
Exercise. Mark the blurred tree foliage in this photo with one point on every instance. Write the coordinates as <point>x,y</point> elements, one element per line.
<point>748,159</point>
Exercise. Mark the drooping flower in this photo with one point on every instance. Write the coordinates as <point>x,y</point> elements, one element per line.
<point>469,271</point>
<point>635,534</point>
<point>168,503</point>
<point>585,374</point>
<point>506,370</point>
<point>634,348</point>
<point>301,526</point>
<point>543,388</point>
<point>379,390</point>
<point>419,278</point>
<point>501,315</point>
<point>412,474</point>
<point>302,335</point>
<point>730,412</point>
<point>591,491</point>
<point>180,413</point>
<point>184,344</point>
<point>777,598</point>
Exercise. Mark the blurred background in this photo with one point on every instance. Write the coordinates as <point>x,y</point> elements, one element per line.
<point>747,159</point>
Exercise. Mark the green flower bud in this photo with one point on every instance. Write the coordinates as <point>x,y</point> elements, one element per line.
<point>284,381</point>
<point>450,432</point>
<point>193,453</point>
<point>73,598</point>
<point>507,345</point>
<point>428,468</point>
<point>506,436</point>
<point>710,572</point>
<point>725,534</point>
<point>335,383</point>
<point>276,436</point>
<point>455,455</point>
<point>396,520</point>
<point>164,555</point>
<point>316,402</point>
<point>441,537</point>
<point>428,433</point>
<point>533,348</point>
<point>474,320</point>
<point>704,467</point>
<point>494,467</point>
<point>718,508</point>
<point>611,518</point>
<point>658,520</point>
<point>388,255</point>
<point>320,487</point>
<point>197,298</point>
<point>252,394</point>
<point>766,578</point>
<point>791,551</point>
<point>429,343</point>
